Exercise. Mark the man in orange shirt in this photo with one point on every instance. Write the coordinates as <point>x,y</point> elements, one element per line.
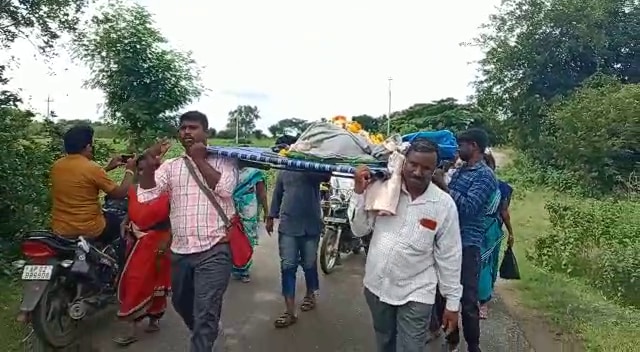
<point>76,182</point>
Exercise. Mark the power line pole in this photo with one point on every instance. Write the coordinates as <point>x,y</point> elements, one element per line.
<point>49,101</point>
<point>237,128</point>
<point>389,112</point>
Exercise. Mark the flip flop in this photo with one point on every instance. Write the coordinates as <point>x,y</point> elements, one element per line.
<point>124,341</point>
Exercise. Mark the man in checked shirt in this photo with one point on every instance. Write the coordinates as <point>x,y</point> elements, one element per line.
<point>201,258</point>
<point>471,187</point>
<point>410,254</point>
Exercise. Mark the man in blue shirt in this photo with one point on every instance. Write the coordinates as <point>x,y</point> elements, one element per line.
<point>471,187</point>
<point>296,202</point>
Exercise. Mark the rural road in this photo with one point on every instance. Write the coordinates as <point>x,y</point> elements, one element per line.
<point>340,324</point>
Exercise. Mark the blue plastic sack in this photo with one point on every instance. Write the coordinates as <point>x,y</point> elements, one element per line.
<point>445,139</point>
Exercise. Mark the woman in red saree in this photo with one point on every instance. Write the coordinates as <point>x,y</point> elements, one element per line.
<point>145,282</point>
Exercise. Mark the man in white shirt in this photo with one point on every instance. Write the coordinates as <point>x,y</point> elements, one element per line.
<point>410,254</point>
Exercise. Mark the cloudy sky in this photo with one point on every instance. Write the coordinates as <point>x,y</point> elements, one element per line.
<point>291,58</point>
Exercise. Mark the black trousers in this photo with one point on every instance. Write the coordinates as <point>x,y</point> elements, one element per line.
<point>199,282</point>
<point>469,302</point>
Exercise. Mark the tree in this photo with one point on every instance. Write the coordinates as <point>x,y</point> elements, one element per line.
<point>595,133</point>
<point>292,126</point>
<point>539,51</point>
<point>446,114</point>
<point>145,82</point>
<point>246,115</point>
<point>369,123</point>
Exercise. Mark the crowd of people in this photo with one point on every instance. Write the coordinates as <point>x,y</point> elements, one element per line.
<point>434,260</point>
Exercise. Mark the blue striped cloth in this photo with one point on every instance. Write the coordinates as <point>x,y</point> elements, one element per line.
<point>267,158</point>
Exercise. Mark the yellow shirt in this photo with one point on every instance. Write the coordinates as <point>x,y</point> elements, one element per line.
<point>76,183</point>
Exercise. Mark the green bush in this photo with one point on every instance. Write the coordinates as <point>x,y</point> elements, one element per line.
<point>594,134</point>
<point>596,240</point>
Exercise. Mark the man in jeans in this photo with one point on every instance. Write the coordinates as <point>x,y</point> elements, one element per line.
<point>471,187</point>
<point>296,201</point>
<point>201,258</point>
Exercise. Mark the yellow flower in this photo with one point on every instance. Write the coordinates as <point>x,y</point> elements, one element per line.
<point>283,152</point>
<point>354,127</point>
<point>377,138</point>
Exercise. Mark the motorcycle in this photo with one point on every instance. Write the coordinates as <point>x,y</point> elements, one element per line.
<point>67,280</point>
<point>337,236</point>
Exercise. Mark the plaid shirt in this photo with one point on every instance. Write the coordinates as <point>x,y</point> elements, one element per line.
<point>471,188</point>
<point>195,224</point>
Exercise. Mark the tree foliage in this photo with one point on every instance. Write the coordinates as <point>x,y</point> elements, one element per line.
<point>246,117</point>
<point>446,114</point>
<point>539,51</point>
<point>144,81</point>
<point>595,134</point>
<point>41,21</point>
<point>292,126</point>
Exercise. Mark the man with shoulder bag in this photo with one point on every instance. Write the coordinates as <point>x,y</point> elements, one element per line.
<point>203,221</point>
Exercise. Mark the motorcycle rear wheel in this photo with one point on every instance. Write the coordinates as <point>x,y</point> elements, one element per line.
<point>50,319</point>
<point>329,250</point>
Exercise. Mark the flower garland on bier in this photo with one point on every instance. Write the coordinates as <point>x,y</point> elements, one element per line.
<point>337,146</point>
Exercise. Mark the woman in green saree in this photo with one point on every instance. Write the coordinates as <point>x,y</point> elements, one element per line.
<point>249,196</point>
<point>497,214</point>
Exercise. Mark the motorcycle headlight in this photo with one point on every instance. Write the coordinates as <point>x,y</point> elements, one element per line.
<point>335,206</point>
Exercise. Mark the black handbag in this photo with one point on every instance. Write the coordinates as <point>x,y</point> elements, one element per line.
<point>509,267</point>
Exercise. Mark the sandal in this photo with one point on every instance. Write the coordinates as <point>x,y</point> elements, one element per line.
<point>308,303</point>
<point>124,341</point>
<point>285,320</point>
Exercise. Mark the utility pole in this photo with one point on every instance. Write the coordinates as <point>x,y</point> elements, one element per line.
<point>389,112</point>
<point>237,127</point>
<point>49,101</point>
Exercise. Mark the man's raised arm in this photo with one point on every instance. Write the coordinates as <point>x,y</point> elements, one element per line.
<point>153,182</point>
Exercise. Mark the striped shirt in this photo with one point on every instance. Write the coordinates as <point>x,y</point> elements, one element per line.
<point>471,187</point>
<point>414,251</point>
<point>195,224</point>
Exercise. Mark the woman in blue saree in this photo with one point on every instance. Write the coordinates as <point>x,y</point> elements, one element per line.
<point>249,196</point>
<point>497,214</point>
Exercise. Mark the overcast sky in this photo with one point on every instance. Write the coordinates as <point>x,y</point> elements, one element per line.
<point>292,58</point>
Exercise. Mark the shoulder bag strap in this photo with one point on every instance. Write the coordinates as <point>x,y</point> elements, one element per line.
<point>206,190</point>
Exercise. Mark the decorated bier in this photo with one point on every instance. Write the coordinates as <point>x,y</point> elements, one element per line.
<point>338,146</point>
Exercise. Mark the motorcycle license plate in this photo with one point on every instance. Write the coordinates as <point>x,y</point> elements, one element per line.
<point>37,272</point>
<point>335,220</point>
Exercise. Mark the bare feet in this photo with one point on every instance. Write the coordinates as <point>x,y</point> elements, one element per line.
<point>484,312</point>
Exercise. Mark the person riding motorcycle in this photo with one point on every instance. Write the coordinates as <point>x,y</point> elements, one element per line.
<point>76,182</point>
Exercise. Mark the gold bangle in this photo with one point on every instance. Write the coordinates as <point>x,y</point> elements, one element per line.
<point>127,171</point>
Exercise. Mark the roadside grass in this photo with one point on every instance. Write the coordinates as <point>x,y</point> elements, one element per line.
<point>11,332</point>
<point>569,303</point>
